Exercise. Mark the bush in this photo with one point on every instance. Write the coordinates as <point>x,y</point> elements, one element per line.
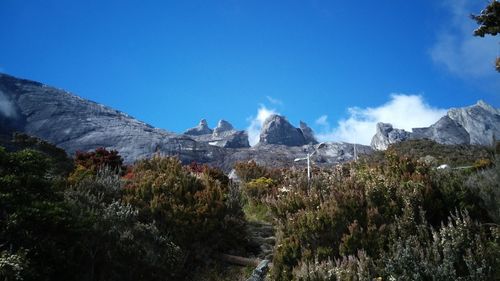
<point>115,245</point>
<point>257,189</point>
<point>192,207</point>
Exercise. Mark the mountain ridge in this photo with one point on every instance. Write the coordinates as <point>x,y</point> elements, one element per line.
<point>74,124</point>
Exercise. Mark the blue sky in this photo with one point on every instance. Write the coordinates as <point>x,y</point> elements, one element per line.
<point>337,65</point>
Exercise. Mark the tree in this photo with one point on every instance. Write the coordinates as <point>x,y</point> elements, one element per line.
<point>489,23</point>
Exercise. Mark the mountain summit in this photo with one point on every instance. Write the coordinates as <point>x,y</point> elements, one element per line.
<point>477,124</point>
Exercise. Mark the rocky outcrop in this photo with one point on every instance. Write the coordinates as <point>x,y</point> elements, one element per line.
<point>481,121</point>
<point>444,131</point>
<point>387,135</point>
<point>308,133</point>
<point>477,124</point>
<point>327,154</point>
<point>73,123</point>
<point>277,130</point>
<point>201,129</point>
<point>224,135</point>
<point>223,128</point>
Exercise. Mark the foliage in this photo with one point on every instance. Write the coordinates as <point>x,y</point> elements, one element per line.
<point>98,159</point>
<point>247,171</point>
<point>87,164</point>
<point>453,155</point>
<point>13,266</point>
<point>257,189</point>
<point>344,221</point>
<point>488,20</point>
<point>489,23</point>
<point>60,161</point>
<point>486,184</point>
<point>115,244</point>
<point>36,224</point>
<point>192,207</point>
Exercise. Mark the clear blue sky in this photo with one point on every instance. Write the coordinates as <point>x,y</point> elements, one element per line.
<point>171,63</point>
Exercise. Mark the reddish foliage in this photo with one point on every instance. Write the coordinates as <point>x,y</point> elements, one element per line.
<point>101,157</point>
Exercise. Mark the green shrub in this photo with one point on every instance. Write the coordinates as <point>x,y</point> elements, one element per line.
<point>192,207</point>
<point>257,189</point>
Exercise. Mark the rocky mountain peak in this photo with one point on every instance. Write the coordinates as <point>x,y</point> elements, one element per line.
<point>222,126</point>
<point>476,124</point>
<point>481,121</point>
<point>387,135</point>
<point>308,133</point>
<point>201,129</point>
<point>277,130</point>
<point>482,104</point>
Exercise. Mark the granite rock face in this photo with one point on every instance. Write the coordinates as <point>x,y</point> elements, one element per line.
<point>387,135</point>
<point>481,121</point>
<point>308,133</point>
<point>224,135</point>
<point>277,130</point>
<point>73,123</point>
<point>223,128</point>
<point>201,129</point>
<point>444,131</point>
<point>478,124</point>
<point>274,155</point>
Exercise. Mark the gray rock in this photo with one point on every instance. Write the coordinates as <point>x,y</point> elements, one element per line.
<point>387,135</point>
<point>481,121</point>
<point>477,124</point>
<point>73,123</point>
<point>277,130</point>
<point>308,133</point>
<point>259,273</point>
<point>444,131</point>
<point>223,127</point>
<point>201,129</point>
<point>224,135</point>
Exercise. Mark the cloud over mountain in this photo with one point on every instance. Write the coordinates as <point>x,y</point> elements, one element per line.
<point>403,111</point>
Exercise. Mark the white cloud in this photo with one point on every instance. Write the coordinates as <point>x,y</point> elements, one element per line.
<point>274,101</point>
<point>6,107</point>
<point>456,49</point>
<point>322,121</point>
<point>402,111</point>
<point>256,123</point>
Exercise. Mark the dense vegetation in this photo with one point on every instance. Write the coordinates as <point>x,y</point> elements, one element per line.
<point>160,221</point>
<point>387,217</point>
<point>390,216</point>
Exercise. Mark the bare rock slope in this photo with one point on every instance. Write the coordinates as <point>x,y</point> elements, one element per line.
<point>73,124</point>
<point>478,124</point>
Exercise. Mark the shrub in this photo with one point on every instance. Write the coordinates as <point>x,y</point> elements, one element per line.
<point>115,245</point>
<point>98,159</point>
<point>257,189</point>
<point>193,208</point>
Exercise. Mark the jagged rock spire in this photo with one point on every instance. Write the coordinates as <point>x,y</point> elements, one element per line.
<point>201,129</point>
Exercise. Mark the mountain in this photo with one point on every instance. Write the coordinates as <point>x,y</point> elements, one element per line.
<point>277,130</point>
<point>224,135</point>
<point>478,124</point>
<point>74,124</point>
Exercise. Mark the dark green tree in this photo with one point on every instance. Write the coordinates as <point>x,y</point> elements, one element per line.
<point>489,23</point>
